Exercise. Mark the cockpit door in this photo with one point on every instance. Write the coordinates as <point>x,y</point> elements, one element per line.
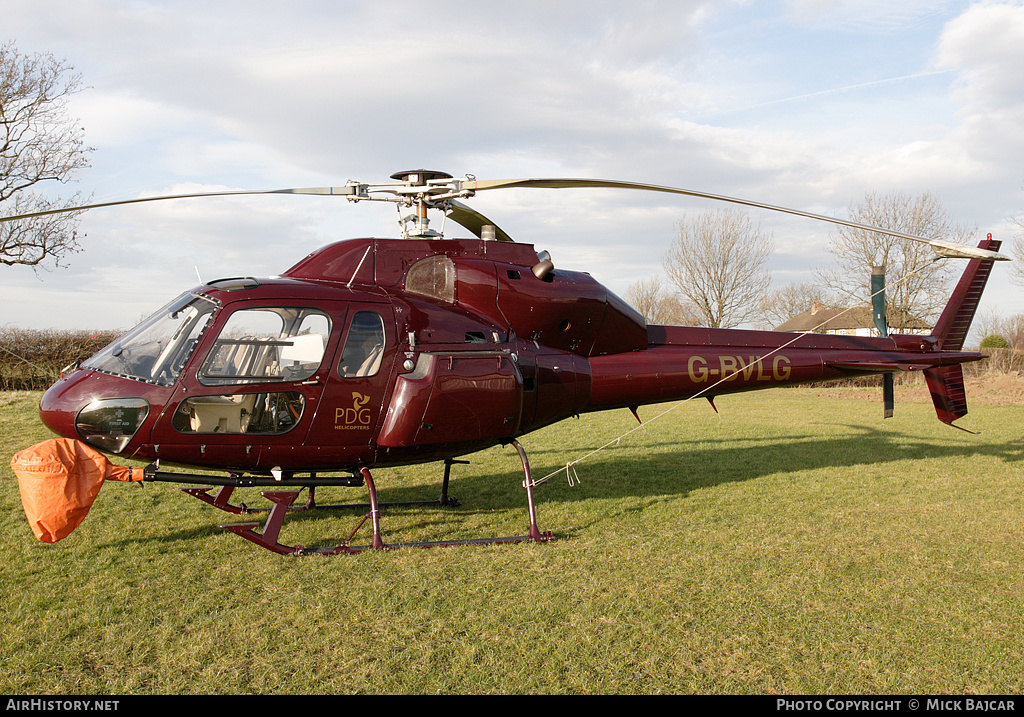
<point>253,392</point>
<point>359,380</point>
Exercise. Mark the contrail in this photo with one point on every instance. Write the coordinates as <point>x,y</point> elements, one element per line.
<point>847,88</point>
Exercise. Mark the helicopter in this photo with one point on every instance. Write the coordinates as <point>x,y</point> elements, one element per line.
<point>372,353</point>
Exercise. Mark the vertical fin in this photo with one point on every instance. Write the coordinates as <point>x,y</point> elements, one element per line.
<point>955,322</point>
<point>946,383</point>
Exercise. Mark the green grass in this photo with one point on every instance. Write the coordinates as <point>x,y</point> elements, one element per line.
<point>789,545</point>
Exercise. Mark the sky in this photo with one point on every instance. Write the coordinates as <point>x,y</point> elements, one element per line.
<point>810,104</point>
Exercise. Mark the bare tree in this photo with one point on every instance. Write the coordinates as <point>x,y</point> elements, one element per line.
<point>791,300</point>
<point>677,310</point>
<point>916,284</point>
<point>660,306</point>
<point>647,296</point>
<point>39,145</point>
<point>718,263</point>
<point>1011,328</point>
<point>1017,266</point>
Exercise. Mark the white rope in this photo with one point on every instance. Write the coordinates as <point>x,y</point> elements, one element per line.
<point>49,372</point>
<point>572,464</point>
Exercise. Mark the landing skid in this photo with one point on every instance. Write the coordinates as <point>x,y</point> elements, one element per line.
<point>283,501</point>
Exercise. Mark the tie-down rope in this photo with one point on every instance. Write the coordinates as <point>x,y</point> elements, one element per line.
<point>570,467</point>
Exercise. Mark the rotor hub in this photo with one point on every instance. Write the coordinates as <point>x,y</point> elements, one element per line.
<point>420,176</point>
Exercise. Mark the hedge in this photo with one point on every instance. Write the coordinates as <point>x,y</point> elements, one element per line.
<point>31,360</point>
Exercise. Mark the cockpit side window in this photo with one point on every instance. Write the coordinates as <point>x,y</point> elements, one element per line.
<point>273,344</point>
<point>364,346</point>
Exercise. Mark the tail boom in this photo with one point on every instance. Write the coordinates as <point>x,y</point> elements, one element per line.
<point>683,362</point>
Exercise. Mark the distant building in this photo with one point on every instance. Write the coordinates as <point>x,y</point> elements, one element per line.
<point>857,321</point>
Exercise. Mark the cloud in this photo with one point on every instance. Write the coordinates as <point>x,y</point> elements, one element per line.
<point>985,47</point>
<point>810,106</point>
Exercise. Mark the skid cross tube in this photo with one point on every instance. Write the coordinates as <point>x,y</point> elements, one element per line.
<point>282,502</point>
<point>227,484</point>
<point>221,499</point>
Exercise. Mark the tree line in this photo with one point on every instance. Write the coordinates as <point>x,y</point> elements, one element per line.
<point>716,270</point>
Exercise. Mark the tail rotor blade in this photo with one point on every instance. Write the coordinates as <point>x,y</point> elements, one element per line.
<point>888,396</point>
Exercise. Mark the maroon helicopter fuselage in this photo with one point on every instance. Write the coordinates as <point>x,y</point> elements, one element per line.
<point>459,346</point>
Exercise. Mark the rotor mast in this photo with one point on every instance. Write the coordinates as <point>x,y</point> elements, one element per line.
<point>419,189</point>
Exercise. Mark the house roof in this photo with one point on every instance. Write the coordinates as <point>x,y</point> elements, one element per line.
<point>840,319</point>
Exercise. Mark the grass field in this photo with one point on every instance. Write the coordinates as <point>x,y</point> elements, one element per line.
<point>791,544</point>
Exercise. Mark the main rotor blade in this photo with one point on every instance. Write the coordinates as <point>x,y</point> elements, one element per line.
<point>347,190</point>
<point>943,249</point>
<point>474,221</point>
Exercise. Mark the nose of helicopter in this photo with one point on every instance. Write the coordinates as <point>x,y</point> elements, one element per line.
<point>57,410</point>
<point>71,409</point>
